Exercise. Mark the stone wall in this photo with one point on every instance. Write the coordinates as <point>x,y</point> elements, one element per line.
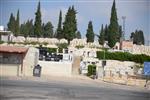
<point>141,49</point>
<point>50,68</point>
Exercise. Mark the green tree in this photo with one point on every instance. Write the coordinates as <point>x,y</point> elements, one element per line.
<point>90,32</point>
<point>59,33</point>
<point>48,30</point>
<point>138,37</point>
<point>37,23</point>
<point>26,29</point>
<point>23,30</point>
<point>17,24</point>
<point>113,27</point>
<point>102,36</point>
<point>70,24</point>
<point>43,25</point>
<point>78,35</point>
<point>106,32</point>
<point>11,23</point>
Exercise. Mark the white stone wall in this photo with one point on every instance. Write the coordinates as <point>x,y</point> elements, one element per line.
<point>50,68</point>
<point>55,41</point>
<point>85,52</point>
<point>76,42</point>
<point>31,60</point>
<point>141,49</point>
<point>9,69</point>
<point>115,66</point>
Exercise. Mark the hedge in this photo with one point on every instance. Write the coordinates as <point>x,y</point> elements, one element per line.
<point>91,70</point>
<point>52,50</point>
<point>123,56</point>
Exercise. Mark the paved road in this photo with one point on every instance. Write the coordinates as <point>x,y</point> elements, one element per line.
<point>59,90</point>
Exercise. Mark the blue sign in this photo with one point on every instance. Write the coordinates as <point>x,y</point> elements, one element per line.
<point>146,68</point>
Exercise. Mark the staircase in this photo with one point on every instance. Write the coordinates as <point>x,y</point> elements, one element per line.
<point>76,65</point>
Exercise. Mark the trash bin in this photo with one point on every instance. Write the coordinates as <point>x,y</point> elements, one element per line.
<point>37,71</point>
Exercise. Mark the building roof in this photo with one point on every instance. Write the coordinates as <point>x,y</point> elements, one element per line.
<point>13,49</point>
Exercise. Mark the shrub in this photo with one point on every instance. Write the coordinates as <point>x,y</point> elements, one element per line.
<point>121,56</point>
<point>10,42</point>
<point>62,45</point>
<point>60,50</point>
<point>51,50</point>
<point>1,42</point>
<point>91,70</point>
<point>79,46</point>
<point>45,43</point>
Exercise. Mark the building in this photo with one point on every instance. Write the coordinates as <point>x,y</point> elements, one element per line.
<point>17,61</point>
<point>127,45</point>
<point>5,35</point>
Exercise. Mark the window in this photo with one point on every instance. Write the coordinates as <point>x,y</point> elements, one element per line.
<point>8,58</point>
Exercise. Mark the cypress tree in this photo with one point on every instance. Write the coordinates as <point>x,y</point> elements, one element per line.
<point>106,32</point>
<point>73,15</point>
<point>102,36</point>
<point>59,33</point>
<point>17,24</point>
<point>38,21</point>
<point>113,27</point>
<point>70,24</point>
<point>48,30</point>
<point>90,32</point>
<point>11,23</point>
<point>78,35</point>
<point>26,29</point>
<point>138,37</point>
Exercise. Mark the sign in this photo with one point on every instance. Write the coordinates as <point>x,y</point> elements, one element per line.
<point>146,68</point>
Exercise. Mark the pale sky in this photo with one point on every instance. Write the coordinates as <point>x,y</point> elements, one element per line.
<point>137,13</point>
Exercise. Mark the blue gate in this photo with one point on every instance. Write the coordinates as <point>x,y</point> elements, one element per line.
<point>147,68</point>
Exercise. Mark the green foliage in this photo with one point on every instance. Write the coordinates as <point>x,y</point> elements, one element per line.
<point>113,27</point>
<point>1,42</point>
<point>30,43</point>
<point>59,33</point>
<point>45,43</point>
<point>123,56</point>
<point>70,24</point>
<point>78,35</point>
<point>137,37</point>
<point>26,29</point>
<point>102,36</point>
<point>48,30</point>
<point>17,24</point>
<point>91,70</point>
<point>10,42</point>
<point>60,50</point>
<point>38,22</point>
<point>34,43</point>
<point>62,45</point>
<point>106,33</point>
<point>11,23</point>
<point>79,46</point>
<point>52,50</point>
<point>90,32</point>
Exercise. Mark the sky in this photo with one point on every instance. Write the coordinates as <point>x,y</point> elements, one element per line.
<point>137,13</point>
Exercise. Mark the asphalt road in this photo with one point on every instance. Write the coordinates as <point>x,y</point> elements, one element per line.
<point>59,90</point>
